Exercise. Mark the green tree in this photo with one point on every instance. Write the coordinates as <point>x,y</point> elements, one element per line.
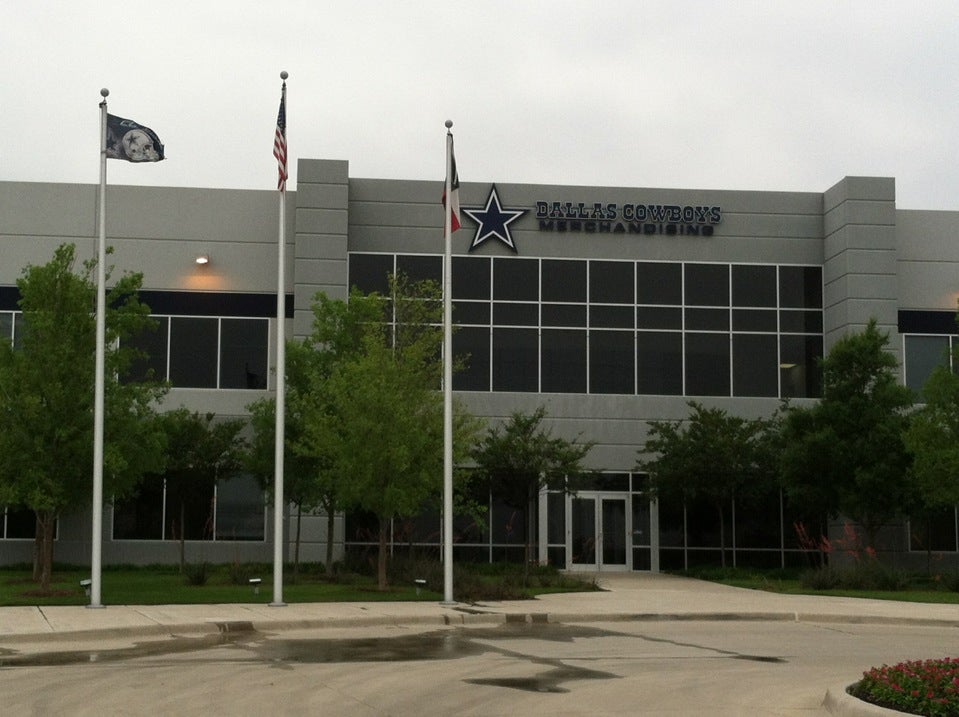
<point>710,455</point>
<point>199,452</point>
<point>520,458</point>
<point>46,397</point>
<point>311,480</point>
<point>845,454</point>
<point>381,422</point>
<point>933,440</point>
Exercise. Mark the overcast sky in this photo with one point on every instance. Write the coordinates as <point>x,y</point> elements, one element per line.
<point>764,95</point>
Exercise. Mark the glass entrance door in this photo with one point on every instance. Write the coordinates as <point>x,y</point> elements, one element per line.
<point>599,528</point>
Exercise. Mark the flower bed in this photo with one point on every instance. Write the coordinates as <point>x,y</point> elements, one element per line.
<point>920,687</point>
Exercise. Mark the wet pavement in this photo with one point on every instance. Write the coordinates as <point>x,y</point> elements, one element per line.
<point>667,636</point>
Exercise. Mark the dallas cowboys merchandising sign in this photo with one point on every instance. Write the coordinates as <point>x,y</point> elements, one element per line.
<point>629,218</point>
<point>493,220</point>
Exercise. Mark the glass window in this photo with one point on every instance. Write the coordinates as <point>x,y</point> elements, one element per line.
<point>240,509</point>
<point>515,360</point>
<point>755,365</point>
<point>659,367</point>
<point>754,285</point>
<point>611,317</point>
<point>420,267</point>
<point>564,315</point>
<point>516,279</point>
<point>189,512</point>
<point>564,280</point>
<point>612,363</point>
<point>936,533</point>
<point>799,370</point>
<point>707,364</point>
<point>22,524</point>
<point>923,354</point>
<point>659,317</point>
<point>193,352</point>
<point>140,517</point>
<point>754,320</point>
<point>371,272</point>
<point>706,284</point>
<point>471,352</point>
<point>611,282</point>
<point>471,277</point>
<point>659,283</point>
<point>6,325</point>
<point>563,364</point>
<point>515,314</point>
<point>800,287</point>
<point>153,344</point>
<point>707,319</point>
<point>244,349</point>
<point>800,322</point>
<point>471,312</point>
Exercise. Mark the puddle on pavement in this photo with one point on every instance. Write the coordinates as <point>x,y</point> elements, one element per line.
<point>442,644</point>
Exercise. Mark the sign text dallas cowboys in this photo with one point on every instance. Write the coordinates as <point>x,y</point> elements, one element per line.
<point>670,219</point>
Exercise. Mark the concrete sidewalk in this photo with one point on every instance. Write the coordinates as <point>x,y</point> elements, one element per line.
<point>624,596</point>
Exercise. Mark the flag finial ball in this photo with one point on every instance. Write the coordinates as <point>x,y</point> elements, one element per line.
<point>449,123</point>
<point>104,92</point>
<point>284,75</point>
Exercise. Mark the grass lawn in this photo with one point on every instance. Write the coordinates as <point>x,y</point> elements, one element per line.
<point>165,585</point>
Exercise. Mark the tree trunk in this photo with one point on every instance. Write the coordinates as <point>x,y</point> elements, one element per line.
<point>37,546</point>
<point>296,542</point>
<point>381,558</point>
<point>46,520</point>
<point>330,532</point>
<point>182,536</point>
<point>722,534</point>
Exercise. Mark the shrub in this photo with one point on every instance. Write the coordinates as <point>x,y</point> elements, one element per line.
<point>922,687</point>
<point>196,573</point>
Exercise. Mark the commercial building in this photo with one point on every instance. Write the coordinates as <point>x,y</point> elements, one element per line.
<point>611,306</point>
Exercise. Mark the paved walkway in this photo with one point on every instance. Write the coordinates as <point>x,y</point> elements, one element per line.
<point>625,596</point>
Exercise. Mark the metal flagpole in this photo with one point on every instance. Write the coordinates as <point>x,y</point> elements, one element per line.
<point>278,506</point>
<point>448,377</point>
<point>97,529</point>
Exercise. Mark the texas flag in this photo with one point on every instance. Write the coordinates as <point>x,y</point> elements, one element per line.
<point>454,203</point>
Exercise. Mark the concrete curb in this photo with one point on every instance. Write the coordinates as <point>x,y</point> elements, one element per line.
<point>839,702</point>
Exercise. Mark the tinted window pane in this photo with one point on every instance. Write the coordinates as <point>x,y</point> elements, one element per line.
<point>800,322</point>
<point>655,317</point>
<point>193,352</point>
<point>707,319</point>
<point>707,364</point>
<point>515,359</point>
<point>244,351</point>
<point>564,315</point>
<point>153,345</point>
<point>421,268</point>
<point>611,282</point>
<point>516,314</point>
<point>707,284</point>
<point>6,326</point>
<point>754,320</point>
<point>189,512</point>
<point>612,364</point>
<point>471,350</point>
<point>800,287</point>
<point>370,272</point>
<point>22,524</point>
<point>754,285</point>
<point>612,317</point>
<point>516,279</point>
<point>799,369</point>
<point>471,278</point>
<point>659,367</point>
<point>471,312</point>
<point>141,517</point>
<point>564,280</point>
<point>923,354</point>
<point>239,509</point>
<point>755,365</point>
<point>658,283</point>
<point>563,361</point>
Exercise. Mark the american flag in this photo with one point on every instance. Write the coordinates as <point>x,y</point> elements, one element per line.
<point>279,143</point>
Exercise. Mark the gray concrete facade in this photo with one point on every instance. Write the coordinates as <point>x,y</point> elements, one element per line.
<point>877,260</point>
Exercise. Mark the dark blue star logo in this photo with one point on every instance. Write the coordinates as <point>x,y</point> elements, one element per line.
<point>493,221</point>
